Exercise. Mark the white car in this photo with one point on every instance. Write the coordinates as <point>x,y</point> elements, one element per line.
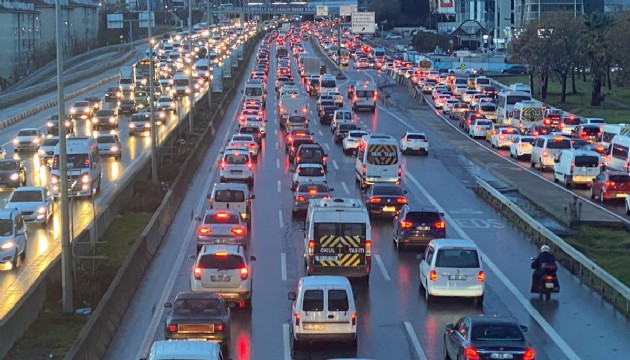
<point>245,141</point>
<point>225,270</point>
<point>308,172</point>
<point>503,138</point>
<point>467,95</point>
<point>441,99</point>
<point>109,145</point>
<point>446,109</point>
<point>521,146</point>
<point>479,128</point>
<point>352,140</point>
<point>236,166</point>
<point>167,103</point>
<point>393,37</point>
<point>337,98</point>
<point>27,139</point>
<point>34,203</point>
<point>414,142</point>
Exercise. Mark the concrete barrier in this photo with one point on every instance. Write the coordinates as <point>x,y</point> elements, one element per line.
<point>97,334</point>
<point>575,261</point>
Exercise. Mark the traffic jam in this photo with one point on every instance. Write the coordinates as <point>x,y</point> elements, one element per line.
<point>335,232</point>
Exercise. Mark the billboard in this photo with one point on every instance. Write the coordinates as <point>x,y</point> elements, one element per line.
<point>446,7</point>
<point>363,22</point>
<point>322,10</point>
<point>347,10</point>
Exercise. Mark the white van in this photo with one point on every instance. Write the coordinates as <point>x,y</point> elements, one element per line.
<point>185,350</point>
<point>481,82</point>
<point>323,310</point>
<point>618,153</point>
<point>527,114</point>
<point>520,87</point>
<point>576,167</point>
<point>365,96</point>
<point>182,85</point>
<point>378,160</point>
<point>327,83</point>
<point>546,147</point>
<point>452,267</point>
<point>254,91</point>
<point>609,131</point>
<point>338,238</point>
<point>84,167</point>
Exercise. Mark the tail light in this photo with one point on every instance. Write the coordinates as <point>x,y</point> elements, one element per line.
<point>197,272</point>
<point>401,200</point>
<point>471,354</point>
<point>300,198</point>
<point>238,231</point>
<point>375,200</point>
<point>549,278</point>
<point>609,183</point>
<point>529,354</point>
<point>572,166</point>
<point>204,230</point>
<point>289,139</point>
<point>368,248</point>
<point>172,328</point>
<point>433,275</point>
<point>501,137</point>
<point>297,319</point>
<point>311,247</point>
<point>441,225</point>
<point>583,134</point>
<point>222,165</point>
<point>364,170</point>
<point>406,224</point>
<point>218,327</point>
<point>399,170</point>
<point>298,158</point>
<point>250,165</point>
<point>354,318</point>
<point>545,153</point>
<point>481,277</point>
<point>244,273</point>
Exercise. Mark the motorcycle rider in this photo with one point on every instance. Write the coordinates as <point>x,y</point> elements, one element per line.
<point>350,91</point>
<point>544,257</point>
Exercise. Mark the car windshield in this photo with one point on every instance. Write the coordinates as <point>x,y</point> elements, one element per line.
<point>6,227</point>
<point>81,104</point>
<point>562,143</point>
<point>27,133</point>
<point>221,261</point>
<point>329,83</point>
<point>528,140</point>
<point>365,94</point>
<point>496,332</point>
<point>586,161</point>
<point>311,153</point>
<point>346,127</point>
<point>513,99</point>
<point>310,171</point>
<point>236,159</point>
<point>105,140</point>
<point>388,190</point>
<point>313,300</point>
<point>488,108</point>
<point>591,130</point>
<point>210,307</point>
<point>105,113</point>
<point>27,196</point>
<point>457,258</point>
<point>8,165</point>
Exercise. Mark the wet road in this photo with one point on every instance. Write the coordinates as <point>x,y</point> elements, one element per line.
<point>395,322</point>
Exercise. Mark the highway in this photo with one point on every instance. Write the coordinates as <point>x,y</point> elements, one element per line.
<point>395,322</point>
<point>44,241</point>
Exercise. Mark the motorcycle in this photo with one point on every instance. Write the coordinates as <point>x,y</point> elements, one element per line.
<point>350,92</point>
<point>546,282</point>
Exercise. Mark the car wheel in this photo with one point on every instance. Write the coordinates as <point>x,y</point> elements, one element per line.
<point>532,164</point>
<point>592,193</point>
<point>555,179</point>
<point>567,182</point>
<point>541,167</point>
<point>16,259</point>
<point>428,297</point>
<point>446,357</point>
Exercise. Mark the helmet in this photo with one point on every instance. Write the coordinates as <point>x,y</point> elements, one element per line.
<point>544,248</point>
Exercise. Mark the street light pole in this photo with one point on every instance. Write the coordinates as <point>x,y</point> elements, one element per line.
<point>154,167</point>
<point>66,246</point>
<point>190,75</point>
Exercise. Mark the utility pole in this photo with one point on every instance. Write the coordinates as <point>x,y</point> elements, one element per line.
<point>190,69</point>
<point>66,246</point>
<point>154,166</point>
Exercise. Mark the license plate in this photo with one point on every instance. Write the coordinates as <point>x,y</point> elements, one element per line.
<point>236,171</point>
<point>501,356</point>
<point>389,209</point>
<point>415,148</point>
<point>326,258</point>
<point>423,228</point>
<point>622,195</point>
<point>220,278</point>
<point>457,277</point>
<point>315,327</point>
<point>549,285</point>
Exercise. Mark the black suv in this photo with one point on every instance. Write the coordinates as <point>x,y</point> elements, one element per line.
<point>127,107</point>
<point>12,173</point>
<point>417,226</point>
<point>310,154</point>
<point>52,125</point>
<point>252,130</point>
<point>326,112</point>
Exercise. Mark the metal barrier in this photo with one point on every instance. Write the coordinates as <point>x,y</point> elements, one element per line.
<point>575,261</point>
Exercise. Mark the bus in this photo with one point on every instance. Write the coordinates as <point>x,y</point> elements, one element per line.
<point>377,53</point>
<point>143,66</point>
<point>505,104</point>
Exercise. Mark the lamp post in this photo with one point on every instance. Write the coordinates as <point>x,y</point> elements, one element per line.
<point>191,88</point>
<point>154,167</point>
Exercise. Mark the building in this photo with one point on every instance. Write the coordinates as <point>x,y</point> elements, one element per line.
<point>19,37</point>
<point>528,10</point>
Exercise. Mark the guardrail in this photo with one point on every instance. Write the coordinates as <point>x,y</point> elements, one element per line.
<point>97,334</point>
<point>575,261</point>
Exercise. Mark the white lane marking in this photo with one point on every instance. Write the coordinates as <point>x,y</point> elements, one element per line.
<point>557,339</point>
<point>345,187</point>
<point>286,341</point>
<point>283,266</point>
<point>335,164</point>
<point>415,343</point>
<point>275,132</point>
<point>279,186</point>
<point>320,133</point>
<point>280,220</point>
<point>278,163</point>
<point>327,146</point>
<point>381,266</point>
<point>276,146</point>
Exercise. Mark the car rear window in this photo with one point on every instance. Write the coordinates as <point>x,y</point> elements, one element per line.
<point>229,196</point>
<point>208,307</point>
<point>365,94</point>
<point>572,121</point>
<point>338,300</point>
<point>620,178</point>
<point>488,108</point>
<point>563,143</point>
<point>416,137</point>
<point>214,261</point>
<point>311,153</point>
<point>591,130</point>
<point>423,216</point>
<point>313,300</point>
<point>388,190</point>
<point>457,258</point>
<point>310,171</point>
<point>104,140</point>
<point>496,332</point>
<point>221,218</point>
<point>586,161</point>
<point>236,159</point>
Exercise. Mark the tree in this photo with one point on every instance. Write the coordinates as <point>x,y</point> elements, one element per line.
<point>596,50</point>
<point>620,52</point>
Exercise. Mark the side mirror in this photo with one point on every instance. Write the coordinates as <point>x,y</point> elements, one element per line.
<point>556,160</point>
<point>422,257</point>
<point>252,197</point>
<point>198,218</point>
<point>231,305</point>
<point>331,189</point>
<point>524,328</point>
<point>441,214</point>
<point>168,305</point>
<point>450,328</point>
<point>405,192</point>
<point>242,91</point>
<point>252,258</point>
<point>291,296</point>
<point>209,196</point>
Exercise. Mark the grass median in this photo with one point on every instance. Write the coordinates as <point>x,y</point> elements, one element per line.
<point>615,109</point>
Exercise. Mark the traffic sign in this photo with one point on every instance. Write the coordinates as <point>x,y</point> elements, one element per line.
<point>322,11</point>
<point>143,18</point>
<point>462,67</point>
<point>363,22</point>
<point>347,10</point>
<point>114,21</point>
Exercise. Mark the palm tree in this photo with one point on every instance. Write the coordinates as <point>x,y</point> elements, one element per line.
<point>595,48</point>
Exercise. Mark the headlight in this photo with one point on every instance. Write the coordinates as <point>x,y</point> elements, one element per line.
<point>85,178</point>
<point>114,148</point>
<point>42,210</point>
<point>36,141</point>
<point>131,125</point>
<point>73,110</point>
<point>112,120</point>
<point>14,176</point>
<point>16,141</point>
<point>95,120</point>
<point>8,245</point>
<point>54,180</point>
<point>86,110</point>
<point>68,124</point>
<point>50,124</point>
<point>147,125</point>
<point>41,152</point>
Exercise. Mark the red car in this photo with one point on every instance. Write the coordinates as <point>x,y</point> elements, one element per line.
<point>610,185</point>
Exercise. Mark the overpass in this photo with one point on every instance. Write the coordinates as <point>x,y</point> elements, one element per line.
<point>264,10</point>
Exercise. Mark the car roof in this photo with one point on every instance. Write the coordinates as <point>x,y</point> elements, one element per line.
<point>197,295</point>
<point>492,319</point>
<point>185,348</point>
<point>450,243</point>
<point>323,280</point>
<point>422,208</point>
<point>230,186</point>
<point>29,188</point>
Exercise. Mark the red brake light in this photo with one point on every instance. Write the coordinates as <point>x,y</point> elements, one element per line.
<point>222,165</point>
<point>529,354</point>
<point>399,170</point>
<point>375,200</point>
<point>297,319</point>
<point>609,183</point>
<point>401,200</point>
<point>300,198</point>
<point>433,275</point>
<point>501,137</point>
<point>440,225</point>
<point>481,276</point>
<point>368,248</point>
<point>311,247</point>
<point>545,153</point>
<point>218,327</point>
<point>197,272</point>
<point>471,354</point>
<point>244,273</point>
<point>172,328</point>
<point>222,215</point>
<point>354,318</point>
<point>250,165</point>
<point>289,139</point>
<point>312,191</point>
<point>238,231</point>
<point>548,277</point>
<point>406,224</point>
<point>203,231</point>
